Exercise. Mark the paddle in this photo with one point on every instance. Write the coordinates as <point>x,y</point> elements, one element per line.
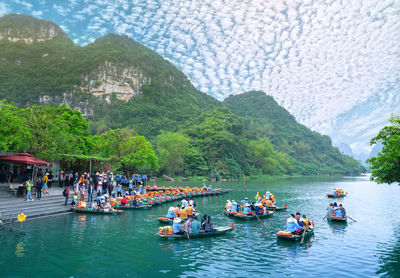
<point>324,217</point>
<point>272,232</point>
<point>351,218</point>
<point>302,237</point>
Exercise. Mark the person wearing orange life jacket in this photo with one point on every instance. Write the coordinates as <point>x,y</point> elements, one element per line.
<point>272,198</point>
<point>182,213</point>
<point>177,210</point>
<point>269,203</point>
<point>189,211</point>
<point>263,201</point>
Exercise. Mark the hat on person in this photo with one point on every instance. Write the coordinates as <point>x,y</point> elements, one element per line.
<point>246,198</point>
<point>246,205</point>
<point>177,220</point>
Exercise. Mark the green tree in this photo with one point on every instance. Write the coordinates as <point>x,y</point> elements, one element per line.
<point>171,150</point>
<point>129,149</point>
<point>386,165</point>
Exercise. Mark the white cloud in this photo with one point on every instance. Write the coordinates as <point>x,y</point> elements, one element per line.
<point>3,8</point>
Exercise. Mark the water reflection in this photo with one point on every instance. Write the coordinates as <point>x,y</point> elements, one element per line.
<point>390,257</point>
<point>338,228</point>
<point>19,250</point>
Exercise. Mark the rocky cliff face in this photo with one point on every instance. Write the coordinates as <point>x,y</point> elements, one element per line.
<point>25,28</point>
<point>109,78</point>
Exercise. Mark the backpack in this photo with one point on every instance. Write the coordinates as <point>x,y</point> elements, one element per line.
<point>65,192</point>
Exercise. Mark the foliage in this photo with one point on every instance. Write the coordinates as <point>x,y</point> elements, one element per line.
<point>385,166</point>
<point>171,150</point>
<point>129,149</point>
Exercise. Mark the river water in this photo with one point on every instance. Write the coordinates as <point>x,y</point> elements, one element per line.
<point>127,245</point>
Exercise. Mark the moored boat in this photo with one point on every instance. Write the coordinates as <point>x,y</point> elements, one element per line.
<point>89,211</point>
<point>219,231</point>
<point>336,218</point>
<point>294,237</point>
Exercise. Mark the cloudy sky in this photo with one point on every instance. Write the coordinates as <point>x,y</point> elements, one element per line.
<point>335,65</point>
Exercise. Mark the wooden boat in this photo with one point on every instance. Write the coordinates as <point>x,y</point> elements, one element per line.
<point>219,231</point>
<point>335,218</point>
<point>82,210</point>
<point>250,217</point>
<point>276,208</point>
<point>292,237</point>
<point>331,195</point>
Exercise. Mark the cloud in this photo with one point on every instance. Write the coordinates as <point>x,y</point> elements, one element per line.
<point>3,8</point>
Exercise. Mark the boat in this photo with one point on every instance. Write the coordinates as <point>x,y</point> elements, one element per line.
<point>276,208</point>
<point>134,207</point>
<point>83,210</point>
<point>219,231</point>
<point>335,218</point>
<point>293,237</point>
<point>331,195</point>
<point>253,216</point>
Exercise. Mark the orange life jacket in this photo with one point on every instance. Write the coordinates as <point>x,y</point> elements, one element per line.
<point>189,211</point>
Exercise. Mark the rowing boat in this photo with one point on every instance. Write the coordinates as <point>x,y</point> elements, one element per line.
<point>82,210</point>
<point>335,218</point>
<point>230,213</point>
<point>293,237</point>
<point>253,216</point>
<point>331,195</point>
<point>219,231</point>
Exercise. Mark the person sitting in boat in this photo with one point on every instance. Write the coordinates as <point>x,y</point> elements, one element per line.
<point>331,209</point>
<point>184,203</point>
<point>342,210</point>
<point>182,213</point>
<point>235,206</point>
<point>176,227</point>
<point>334,191</point>
<point>192,203</point>
<point>177,210</point>
<point>189,211</point>
<point>74,201</point>
<point>338,212</point>
<point>304,220</point>
<point>195,226</point>
<point>209,187</point>
<point>245,201</point>
<point>269,203</point>
<point>188,226</point>
<point>272,198</point>
<point>135,202</point>
<point>267,195</point>
<point>258,208</point>
<point>124,202</point>
<point>253,207</point>
<point>94,206</point>
<point>203,220</point>
<point>228,205</point>
<point>247,209</point>
<point>297,216</point>
<point>209,225</point>
<point>204,187</point>
<point>107,206</point>
<point>171,214</point>
<point>292,225</point>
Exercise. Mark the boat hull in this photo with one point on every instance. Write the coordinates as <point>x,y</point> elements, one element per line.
<point>220,231</point>
<point>292,237</point>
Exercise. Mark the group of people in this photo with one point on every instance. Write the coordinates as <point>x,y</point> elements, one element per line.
<point>335,210</point>
<point>42,185</point>
<point>297,224</point>
<point>193,226</point>
<point>259,207</point>
<point>186,210</point>
<point>338,191</point>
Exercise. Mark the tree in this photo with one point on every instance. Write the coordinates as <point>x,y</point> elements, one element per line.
<point>128,148</point>
<point>171,150</point>
<point>386,165</point>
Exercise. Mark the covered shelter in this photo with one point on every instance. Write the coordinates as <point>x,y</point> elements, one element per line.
<point>23,158</point>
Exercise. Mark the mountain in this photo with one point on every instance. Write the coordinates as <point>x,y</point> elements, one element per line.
<point>115,81</point>
<point>345,149</point>
<point>264,117</point>
<point>118,83</point>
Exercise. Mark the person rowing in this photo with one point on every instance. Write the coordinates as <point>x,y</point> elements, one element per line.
<point>331,209</point>
<point>342,210</point>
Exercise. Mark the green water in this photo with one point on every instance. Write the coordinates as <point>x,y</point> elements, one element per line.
<point>127,246</point>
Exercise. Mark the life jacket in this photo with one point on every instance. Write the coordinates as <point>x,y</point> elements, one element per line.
<point>272,198</point>
<point>189,211</point>
<point>182,213</point>
<point>269,203</point>
<point>176,211</point>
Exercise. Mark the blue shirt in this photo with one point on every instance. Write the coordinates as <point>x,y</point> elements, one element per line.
<point>171,214</point>
<point>130,185</point>
<point>246,210</point>
<point>291,226</point>
<point>176,227</point>
<point>338,212</point>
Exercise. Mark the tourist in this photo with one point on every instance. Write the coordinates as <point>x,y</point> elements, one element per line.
<point>107,206</point>
<point>98,200</point>
<point>338,211</point>
<point>292,225</point>
<point>99,188</point>
<point>269,203</point>
<point>94,206</point>
<point>61,179</point>
<point>188,226</point>
<point>204,187</point>
<point>297,216</point>
<point>306,221</point>
<point>66,194</point>
<point>195,226</point>
<point>90,192</point>
<point>39,185</point>
<point>247,209</point>
<point>124,202</point>
<point>184,203</point>
<point>28,190</point>
<point>209,225</point>
<point>45,180</point>
<point>245,201</point>
<point>177,227</point>
<point>342,210</point>
<point>228,206</point>
<point>209,187</point>
<point>235,207</point>
<point>267,195</point>
<point>177,210</point>
<point>130,187</point>
<point>82,192</point>
<point>203,220</point>
<point>119,190</point>
<point>171,214</point>
<point>74,201</point>
<point>189,211</point>
<point>330,209</point>
<point>252,206</point>
<point>182,213</point>
<point>272,198</point>
<point>50,181</point>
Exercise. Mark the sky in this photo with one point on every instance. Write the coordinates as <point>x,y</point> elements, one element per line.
<point>335,65</point>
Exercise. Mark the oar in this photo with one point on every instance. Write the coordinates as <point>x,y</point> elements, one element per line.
<point>351,218</point>
<point>302,237</point>
<point>272,232</point>
<point>324,217</point>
